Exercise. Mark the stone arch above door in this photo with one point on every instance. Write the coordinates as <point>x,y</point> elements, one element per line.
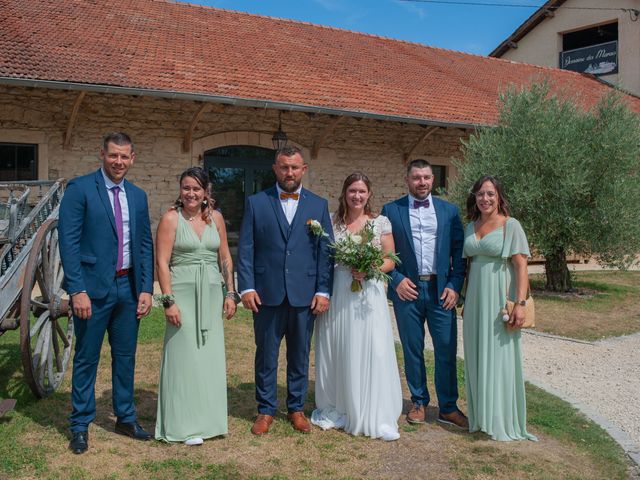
<point>243,137</point>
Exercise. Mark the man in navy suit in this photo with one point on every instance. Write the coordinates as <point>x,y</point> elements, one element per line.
<point>284,276</point>
<point>429,237</point>
<point>107,255</point>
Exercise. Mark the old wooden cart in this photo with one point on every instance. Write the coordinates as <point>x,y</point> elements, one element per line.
<point>31,295</point>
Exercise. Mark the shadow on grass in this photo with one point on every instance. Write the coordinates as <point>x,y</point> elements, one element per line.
<point>53,411</point>
<point>145,401</point>
<point>242,401</point>
<point>12,381</point>
<point>47,412</point>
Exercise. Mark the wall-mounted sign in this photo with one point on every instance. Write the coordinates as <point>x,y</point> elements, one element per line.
<point>599,59</point>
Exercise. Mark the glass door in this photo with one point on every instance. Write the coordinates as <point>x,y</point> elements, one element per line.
<point>236,172</point>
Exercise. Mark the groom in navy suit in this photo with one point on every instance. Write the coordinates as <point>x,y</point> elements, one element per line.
<point>284,276</point>
<point>429,237</point>
<point>107,255</point>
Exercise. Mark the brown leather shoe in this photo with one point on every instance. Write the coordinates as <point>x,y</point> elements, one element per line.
<point>417,414</point>
<point>299,421</point>
<point>262,424</point>
<point>455,418</point>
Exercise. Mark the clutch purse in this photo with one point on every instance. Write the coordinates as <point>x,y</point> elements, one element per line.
<point>529,312</point>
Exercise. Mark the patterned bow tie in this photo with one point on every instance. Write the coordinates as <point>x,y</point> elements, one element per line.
<point>421,203</point>
<point>285,195</point>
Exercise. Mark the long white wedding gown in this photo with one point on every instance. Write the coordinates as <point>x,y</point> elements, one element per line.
<point>357,379</point>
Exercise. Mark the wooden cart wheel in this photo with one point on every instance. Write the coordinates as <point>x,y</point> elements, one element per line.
<point>46,326</point>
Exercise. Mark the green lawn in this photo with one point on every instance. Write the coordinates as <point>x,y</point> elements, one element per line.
<point>34,436</point>
<point>605,304</point>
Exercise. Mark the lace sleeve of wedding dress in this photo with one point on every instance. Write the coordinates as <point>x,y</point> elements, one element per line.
<point>382,225</point>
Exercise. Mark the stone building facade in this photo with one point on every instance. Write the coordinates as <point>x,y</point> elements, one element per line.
<point>564,25</point>
<point>158,127</point>
<point>190,83</point>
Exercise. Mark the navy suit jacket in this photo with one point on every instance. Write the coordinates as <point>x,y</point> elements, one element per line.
<point>89,242</point>
<point>279,260</point>
<point>449,243</point>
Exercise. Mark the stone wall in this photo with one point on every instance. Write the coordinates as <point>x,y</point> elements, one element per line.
<point>158,127</point>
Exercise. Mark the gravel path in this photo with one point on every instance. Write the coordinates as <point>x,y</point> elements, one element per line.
<point>599,378</point>
<point>602,376</point>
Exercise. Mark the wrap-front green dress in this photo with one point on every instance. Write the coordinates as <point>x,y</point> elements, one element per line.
<point>496,402</point>
<point>192,396</point>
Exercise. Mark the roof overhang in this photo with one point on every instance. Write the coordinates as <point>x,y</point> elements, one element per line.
<point>228,100</point>
<point>532,22</point>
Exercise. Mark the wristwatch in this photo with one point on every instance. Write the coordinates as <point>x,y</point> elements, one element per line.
<point>167,302</point>
<point>522,303</point>
<point>233,296</point>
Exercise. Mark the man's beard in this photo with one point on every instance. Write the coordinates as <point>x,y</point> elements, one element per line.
<point>417,195</point>
<point>289,189</point>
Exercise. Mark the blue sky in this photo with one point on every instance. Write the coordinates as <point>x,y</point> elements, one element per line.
<point>468,28</point>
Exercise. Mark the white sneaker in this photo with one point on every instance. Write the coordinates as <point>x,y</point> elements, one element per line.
<point>194,441</point>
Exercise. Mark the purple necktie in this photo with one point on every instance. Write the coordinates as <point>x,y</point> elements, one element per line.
<point>421,203</point>
<point>117,211</point>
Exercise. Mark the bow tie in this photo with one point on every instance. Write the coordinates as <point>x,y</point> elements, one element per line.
<point>285,195</point>
<point>421,203</point>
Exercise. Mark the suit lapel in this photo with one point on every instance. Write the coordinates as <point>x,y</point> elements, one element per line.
<point>272,193</point>
<point>437,206</point>
<point>131,204</point>
<point>403,211</point>
<point>301,208</point>
<point>104,197</point>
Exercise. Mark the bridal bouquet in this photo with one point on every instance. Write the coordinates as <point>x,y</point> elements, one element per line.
<point>359,252</point>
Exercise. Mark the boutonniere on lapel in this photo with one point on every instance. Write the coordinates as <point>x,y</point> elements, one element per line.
<point>316,228</point>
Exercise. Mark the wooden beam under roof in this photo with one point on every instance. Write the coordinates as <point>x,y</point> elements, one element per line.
<point>188,135</point>
<point>66,144</point>
<point>430,131</point>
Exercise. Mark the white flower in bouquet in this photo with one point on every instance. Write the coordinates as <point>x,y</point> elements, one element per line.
<point>360,252</point>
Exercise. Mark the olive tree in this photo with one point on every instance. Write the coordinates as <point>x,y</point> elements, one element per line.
<point>571,175</point>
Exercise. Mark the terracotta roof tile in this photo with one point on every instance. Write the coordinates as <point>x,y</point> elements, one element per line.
<point>179,47</point>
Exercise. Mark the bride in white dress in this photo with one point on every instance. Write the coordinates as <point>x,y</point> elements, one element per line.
<point>357,379</point>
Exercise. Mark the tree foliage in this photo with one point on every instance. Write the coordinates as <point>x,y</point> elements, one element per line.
<point>571,176</point>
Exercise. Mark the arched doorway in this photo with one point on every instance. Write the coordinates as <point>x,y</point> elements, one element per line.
<point>237,171</point>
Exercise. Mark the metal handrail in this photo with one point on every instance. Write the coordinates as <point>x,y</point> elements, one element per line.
<point>29,226</point>
<point>17,208</point>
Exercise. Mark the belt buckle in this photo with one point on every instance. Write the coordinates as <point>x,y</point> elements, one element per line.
<point>122,272</point>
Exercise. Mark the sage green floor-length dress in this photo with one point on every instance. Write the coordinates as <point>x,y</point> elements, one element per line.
<point>494,380</point>
<point>192,396</point>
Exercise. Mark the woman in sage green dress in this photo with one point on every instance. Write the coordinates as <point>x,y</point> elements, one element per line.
<point>192,396</point>
<point>494,242</point>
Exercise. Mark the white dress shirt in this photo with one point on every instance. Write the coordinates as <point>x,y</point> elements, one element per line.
<point>124,206</point>
<point>424,226</point>
<point>289,205</point>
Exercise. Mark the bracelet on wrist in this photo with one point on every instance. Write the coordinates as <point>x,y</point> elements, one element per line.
<point>166,300</point>
<point>233,295</point>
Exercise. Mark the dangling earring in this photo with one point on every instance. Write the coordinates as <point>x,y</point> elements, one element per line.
<point>205,202</point>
